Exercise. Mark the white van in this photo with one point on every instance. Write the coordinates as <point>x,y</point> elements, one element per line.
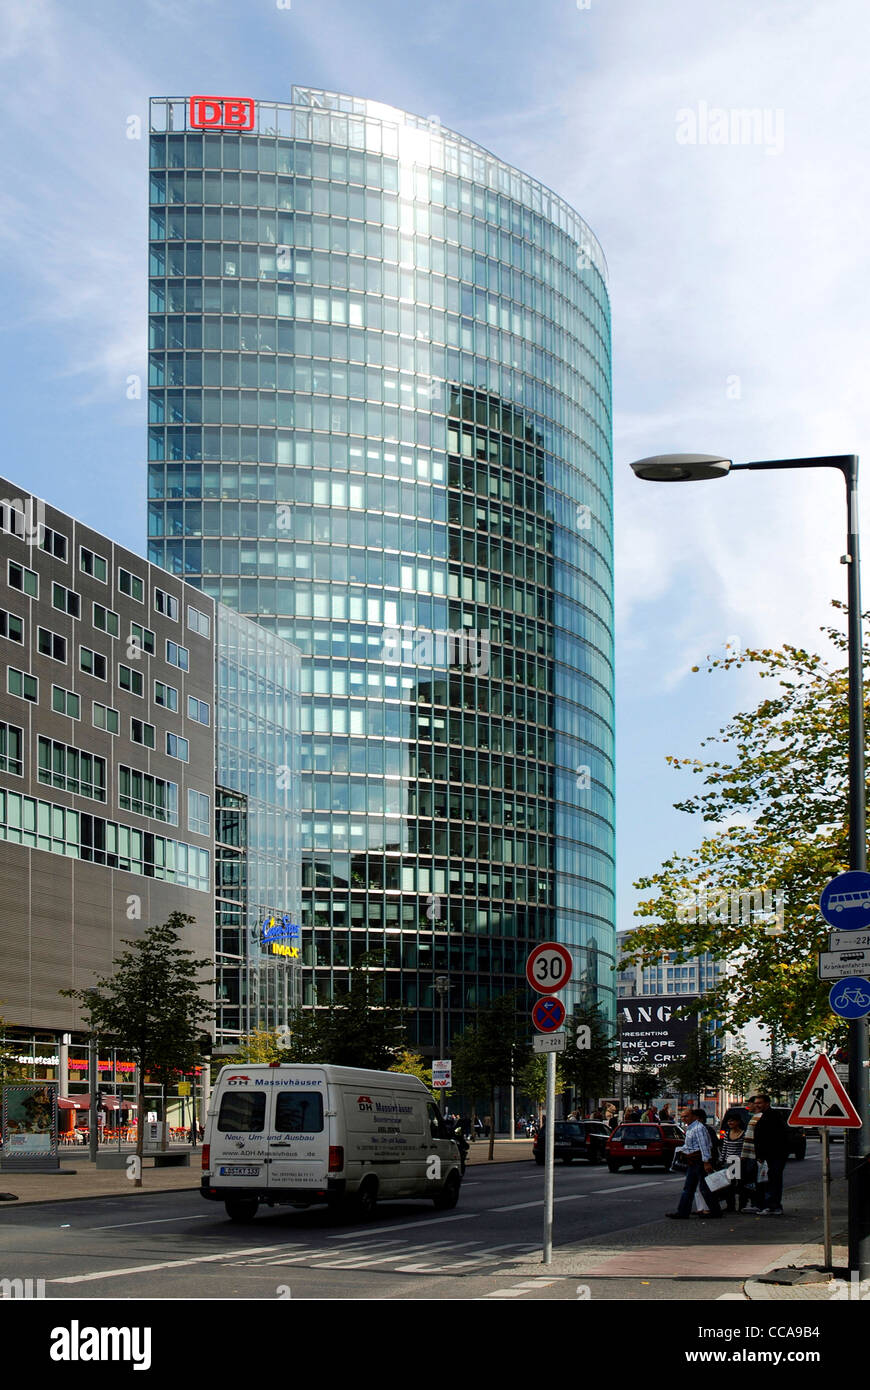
<point>310,1134</point>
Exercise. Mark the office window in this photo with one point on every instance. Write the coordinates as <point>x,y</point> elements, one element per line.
<point>104,717</point>
<point>53,542</point>
<point>177,747</point>
<point>147,795</point>
<point>144,637</point>
<point>65,702</point>
<point>13,520</point>
<point>51,644</point>
<point>11,760</point>
<point>21,684</point>
<point>198,622</point>
<point>106,620</point>
<point>143,733</point>
<point>130,584</point>
<point>166,695</point>
<point>11,626</point>
<point>167,605</point>
<point>92,663</point>
<point>198,812</point>
<point>64,599</point>
<point>131,680</point>
<point>93,564</point>
<point>20,577</point>
<point>198,710</point>
<point>178,656</point>
<point>71,769</point>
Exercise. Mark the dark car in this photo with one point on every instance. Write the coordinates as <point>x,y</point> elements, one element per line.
<point>574,1139</point>
<point>798,1134</point>
<point>643,1145</point>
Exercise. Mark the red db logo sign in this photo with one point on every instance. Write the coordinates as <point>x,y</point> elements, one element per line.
<point>221,113</point>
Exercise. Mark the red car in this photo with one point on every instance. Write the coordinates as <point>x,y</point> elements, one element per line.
<point>643,1145</point>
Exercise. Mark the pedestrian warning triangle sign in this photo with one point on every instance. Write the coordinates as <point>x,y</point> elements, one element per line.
<point>823,1101</point>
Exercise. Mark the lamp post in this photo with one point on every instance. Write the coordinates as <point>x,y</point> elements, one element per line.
<point>692,467</point>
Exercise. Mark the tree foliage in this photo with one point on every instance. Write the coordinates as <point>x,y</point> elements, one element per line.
<point>589,1071</point>
<point>490,1051</point>
<point>531,1079</point>
<point>153,1006</point>
<point>359,1030</point>
<point>412,1064</point>
<point>701,1069</point>
<point>742,1070</point>
<point>777,794</point>
<point>644,1083</point>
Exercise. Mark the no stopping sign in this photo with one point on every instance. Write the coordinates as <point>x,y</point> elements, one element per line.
<point>548,967</point>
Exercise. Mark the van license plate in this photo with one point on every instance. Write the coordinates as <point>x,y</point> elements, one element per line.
<point>239,1172</point>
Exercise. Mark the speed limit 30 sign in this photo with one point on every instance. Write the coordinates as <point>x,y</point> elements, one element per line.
<point>548,967</point>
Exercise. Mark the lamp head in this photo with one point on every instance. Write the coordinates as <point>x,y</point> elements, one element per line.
<point>681,468</point>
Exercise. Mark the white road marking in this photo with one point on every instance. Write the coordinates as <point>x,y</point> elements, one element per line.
<point>156,1221</point>
<point>164,1264</point>
<point>408,1225</point>
<point>519,1206</point>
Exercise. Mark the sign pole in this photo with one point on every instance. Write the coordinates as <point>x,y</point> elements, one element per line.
<point>550,1158</point>
<point>828,1259</point>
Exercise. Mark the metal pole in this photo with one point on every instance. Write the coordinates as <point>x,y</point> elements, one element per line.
<point>857,1140</point>
<point>93,1135</point>
<point>828,1259</point>
<point>550,1158</point>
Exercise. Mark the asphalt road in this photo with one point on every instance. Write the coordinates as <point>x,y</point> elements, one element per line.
<point>175,1245</point>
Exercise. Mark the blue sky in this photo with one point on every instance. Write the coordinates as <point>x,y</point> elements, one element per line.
<point>738,278</point>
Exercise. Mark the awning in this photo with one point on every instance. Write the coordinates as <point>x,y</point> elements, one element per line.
<point>64,1104</point>
<point>81,1102</point>
<point>110,1102</point>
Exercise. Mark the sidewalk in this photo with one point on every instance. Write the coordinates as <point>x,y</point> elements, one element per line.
<point>765,1254</point>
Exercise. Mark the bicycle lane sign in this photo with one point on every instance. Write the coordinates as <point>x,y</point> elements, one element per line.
<point>850,998</point>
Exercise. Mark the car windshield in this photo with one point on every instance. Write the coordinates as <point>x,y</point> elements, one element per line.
<point>629,1133</point>
<point>568,1131</point>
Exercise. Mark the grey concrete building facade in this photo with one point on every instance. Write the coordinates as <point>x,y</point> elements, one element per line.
<point>107,757</point>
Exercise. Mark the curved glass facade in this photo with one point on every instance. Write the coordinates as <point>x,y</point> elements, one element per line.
<point>380,425</point>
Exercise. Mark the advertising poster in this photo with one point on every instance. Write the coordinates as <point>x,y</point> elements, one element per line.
<point>649,1032</point>
<point>30,1120</point>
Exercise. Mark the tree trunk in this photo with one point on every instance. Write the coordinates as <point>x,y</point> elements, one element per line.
<point>491,1154</point>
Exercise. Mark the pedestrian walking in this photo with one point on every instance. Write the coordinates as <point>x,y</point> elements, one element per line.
<point>736,1196</point>
<point>771,1147</point>
<point>698,1153</point>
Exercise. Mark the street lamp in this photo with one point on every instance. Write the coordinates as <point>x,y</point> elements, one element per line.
<point>678,468</point>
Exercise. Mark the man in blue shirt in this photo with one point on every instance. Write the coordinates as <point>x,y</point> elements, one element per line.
<point>699,1154</point>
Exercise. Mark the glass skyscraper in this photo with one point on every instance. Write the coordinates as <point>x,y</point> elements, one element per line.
<point>380,426</point>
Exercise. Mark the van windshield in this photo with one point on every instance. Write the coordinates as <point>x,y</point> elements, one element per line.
<point>243,1111</point>
<point>299,1112</point>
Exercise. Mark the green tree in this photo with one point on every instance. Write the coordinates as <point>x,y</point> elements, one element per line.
<point>742,1070</point>
<point>781,1077</point>
<point>489,1052</point>
<point>589,1071</point>
<point>261,1045</point>
<point>358,1030</point>
<point>531,1079</point>
<point>644,1083</point>
<point>152,1007</point>
<point>412,1064</point>
<point>701,1068</point>
<point>749,893</point>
